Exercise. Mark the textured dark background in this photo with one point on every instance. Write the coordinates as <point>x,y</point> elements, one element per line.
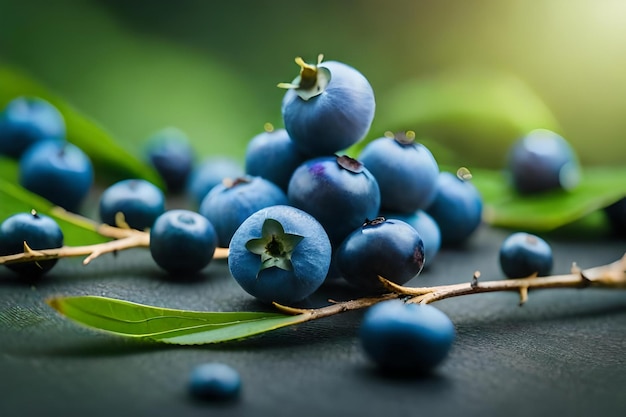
<point>560,354</point>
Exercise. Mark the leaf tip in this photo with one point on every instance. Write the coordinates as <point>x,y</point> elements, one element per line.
<point>55,303</point>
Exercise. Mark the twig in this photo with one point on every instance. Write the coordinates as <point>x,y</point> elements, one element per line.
<point>133,239</point>
<point>124,238</point>
<point>611,276</point>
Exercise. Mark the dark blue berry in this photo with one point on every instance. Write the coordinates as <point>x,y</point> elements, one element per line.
<point>230,203</point>
<point>139,201</point>
<point>406,172</point>
<point>406,338</point>
<point>427,228</point>
<point>338,191</point>
<point>524,254</point>
<point>171,154</point>
<point>211,172</point>
<point>214,381</point>
<point>38,231</point>
<point>328,107</point>
<point>457,209</point>
<point>390,248</point>
<point>542,161</point>
<point>273,156</point>
<point>58,171</point>
<point>281,254</point>
<point>182,241</point>
<point>27,120</point>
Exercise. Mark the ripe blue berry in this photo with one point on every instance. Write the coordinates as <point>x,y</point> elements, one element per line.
<point>524,254</point>
<point>182,241</point>
<point>391,249</point>
<point>58,171</point>
<point>406,338</point>
<point>170,153</point>
<point>281,254</point>
<point>214,381</point>
<point>457,209</point>
<point>328,107</point>
<point>406,172</point>
<point>427,228</point>
<point>38,231</point>
<point>230,203</point>
<point>543,161</point>
<point>211,172</point>
<point>273,156</point>
<point>27,120</point>
<point>338,191</point>
<point>140,202</point>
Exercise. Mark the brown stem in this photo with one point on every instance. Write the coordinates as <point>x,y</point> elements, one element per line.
<point>124,238</point>
<point>612,275</point>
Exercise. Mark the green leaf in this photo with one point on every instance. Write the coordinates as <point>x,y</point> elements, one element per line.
<point>599,187</point>
<point>182,327</point>
<point>108,157</point>
<point>15,199</point>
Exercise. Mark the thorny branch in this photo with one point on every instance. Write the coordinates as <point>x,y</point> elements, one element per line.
<point>123,238</point>
<point>610,276</point>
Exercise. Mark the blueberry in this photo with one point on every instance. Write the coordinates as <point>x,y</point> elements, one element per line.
<point>406,172</point>
<point>524,254</point>
<point>406,338</point>
<point>338,191</point>
<point>211,172</point>
<point>457,208</point>
<point>38,231</point>
<point>273,156</point>
<point>542,161</point>
<point>328,107</point>
<point>171,154</point>
<point>427,228</point>
<point>389,248</point>
<point>214,381</point>
<point>140,202</point>
<point>58,171</point>
<point>616,213</point>
<point>228,204</point>
<point>27,120</point>
<point>182,241</point>
<point>281,254</point>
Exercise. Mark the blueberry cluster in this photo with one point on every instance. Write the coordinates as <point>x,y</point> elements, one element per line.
<point>385,213</point>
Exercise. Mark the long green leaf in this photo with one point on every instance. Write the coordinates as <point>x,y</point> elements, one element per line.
<point>182,327</point>
<point>109,158</point>
<point>598,188</point>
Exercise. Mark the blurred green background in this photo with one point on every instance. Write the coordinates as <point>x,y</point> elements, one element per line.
<point>211,68</point>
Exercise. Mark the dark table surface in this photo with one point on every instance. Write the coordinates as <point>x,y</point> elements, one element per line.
<point>563,353</point>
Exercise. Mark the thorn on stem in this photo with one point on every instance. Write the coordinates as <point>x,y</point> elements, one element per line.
<point>523,295</point>
<point>28,249</point>
<point>475,277</point>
